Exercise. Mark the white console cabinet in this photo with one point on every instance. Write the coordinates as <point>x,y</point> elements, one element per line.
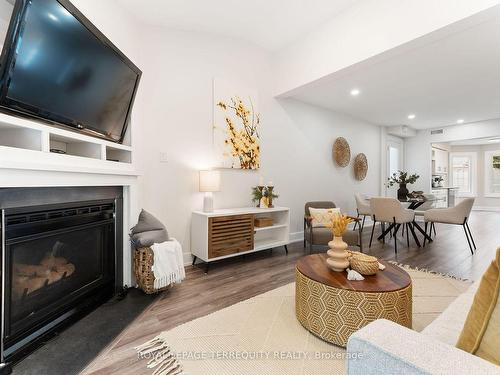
<point>231,232</point>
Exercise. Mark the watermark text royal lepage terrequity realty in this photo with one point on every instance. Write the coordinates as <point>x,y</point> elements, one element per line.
<point>256,355</point>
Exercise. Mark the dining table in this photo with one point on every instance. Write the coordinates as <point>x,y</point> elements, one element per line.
<point>413,204</point>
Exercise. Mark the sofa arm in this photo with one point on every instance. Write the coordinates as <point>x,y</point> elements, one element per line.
<point>384,347</point>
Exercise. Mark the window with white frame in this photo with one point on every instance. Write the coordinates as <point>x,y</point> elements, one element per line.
<point>463,172</point>
<point>492,173</point>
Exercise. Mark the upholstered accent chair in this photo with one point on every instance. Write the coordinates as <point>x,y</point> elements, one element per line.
<point>363,209</point>
<point>458,215</point>
<point>390,210</point>
<point>322,235</point>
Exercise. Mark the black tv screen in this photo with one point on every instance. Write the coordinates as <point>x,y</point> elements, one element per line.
<point>57,66</point>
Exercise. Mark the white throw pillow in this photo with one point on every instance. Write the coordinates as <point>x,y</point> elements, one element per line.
<point>322,217</point>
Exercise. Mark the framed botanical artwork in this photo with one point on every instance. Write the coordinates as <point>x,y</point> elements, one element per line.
<point>236,126</point>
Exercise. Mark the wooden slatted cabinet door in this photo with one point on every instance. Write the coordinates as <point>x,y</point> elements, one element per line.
<point>230,235</point>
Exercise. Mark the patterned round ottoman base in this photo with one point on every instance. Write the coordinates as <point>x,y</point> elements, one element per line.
<point>335,314</point>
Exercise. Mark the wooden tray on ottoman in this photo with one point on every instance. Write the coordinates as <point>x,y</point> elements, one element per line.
<point>144,276</point>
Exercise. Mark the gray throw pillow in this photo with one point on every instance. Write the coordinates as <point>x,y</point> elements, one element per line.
<point>147,239</point>
<point>149,230</point>
<point>146,223</point>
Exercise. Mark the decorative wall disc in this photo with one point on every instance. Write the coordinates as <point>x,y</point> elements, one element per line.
<point>341,152</point>
<point>360,167</point>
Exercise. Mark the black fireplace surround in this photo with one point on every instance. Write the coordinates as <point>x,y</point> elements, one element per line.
<point>61,258</point>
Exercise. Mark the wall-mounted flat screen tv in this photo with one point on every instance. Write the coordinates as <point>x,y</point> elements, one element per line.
<point>57,66</point>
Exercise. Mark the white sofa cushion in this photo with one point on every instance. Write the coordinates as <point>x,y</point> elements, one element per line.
<point>384,347</point>
<point>448,326</point>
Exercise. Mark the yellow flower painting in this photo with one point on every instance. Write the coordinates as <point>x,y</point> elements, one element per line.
<point>236,132</point>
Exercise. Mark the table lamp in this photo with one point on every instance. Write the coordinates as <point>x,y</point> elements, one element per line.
<point>209,182</point>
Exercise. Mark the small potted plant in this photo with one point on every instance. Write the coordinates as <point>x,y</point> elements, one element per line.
<point>402,179</point>
<point>439,181</point>
<point>263,196</point>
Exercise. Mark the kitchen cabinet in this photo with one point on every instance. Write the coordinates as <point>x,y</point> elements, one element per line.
<point>441,198</point>
<point>440,161</point>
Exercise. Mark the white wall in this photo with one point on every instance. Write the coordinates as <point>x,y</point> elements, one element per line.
<point>367,29</point>
<point>481,201</point>
<point>177,119</point>
<point>418,149</point>
<point>173,111</point>
<point>173,114</point>
<point>116,23</point>
<point>5,14</point>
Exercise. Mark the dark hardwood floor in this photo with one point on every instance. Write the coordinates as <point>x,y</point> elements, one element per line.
<point>449,253</point>
<point>234,280</point>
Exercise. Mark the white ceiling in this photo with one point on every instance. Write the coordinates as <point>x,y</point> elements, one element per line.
<point>455,77</point>
<point>271,24</point>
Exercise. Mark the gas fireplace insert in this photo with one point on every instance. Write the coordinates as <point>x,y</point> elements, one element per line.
<point>58,261</point>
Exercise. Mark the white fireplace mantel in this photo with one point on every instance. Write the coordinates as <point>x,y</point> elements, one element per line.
<point>26,160</point>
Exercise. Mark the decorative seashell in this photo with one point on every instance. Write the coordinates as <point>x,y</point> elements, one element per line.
<point>353,275</point>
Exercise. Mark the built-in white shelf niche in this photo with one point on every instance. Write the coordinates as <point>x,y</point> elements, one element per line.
<point>24,138</point>
<point>27,144</point>
<point>75,147</point>
<point>118,155</point>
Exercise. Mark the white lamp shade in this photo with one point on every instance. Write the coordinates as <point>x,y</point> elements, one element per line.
<point>209,181</point>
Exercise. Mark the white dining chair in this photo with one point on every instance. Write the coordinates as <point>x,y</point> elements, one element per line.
<point>363,209</point>
<point>390,210</point>
<point>457,215</point>
<point>430,201</point>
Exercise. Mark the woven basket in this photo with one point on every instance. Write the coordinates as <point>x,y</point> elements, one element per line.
<point>143,261</point>
<point>364,264</point>
<point>341,152</point>
<point>360,167</point>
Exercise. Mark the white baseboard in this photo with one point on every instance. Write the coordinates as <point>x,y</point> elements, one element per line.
<point>188,258</point>
<point>296,236</point>
<point>486,208</point>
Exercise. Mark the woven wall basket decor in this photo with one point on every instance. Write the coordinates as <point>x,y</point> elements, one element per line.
<point>341,152</point>
<point>360,167</point>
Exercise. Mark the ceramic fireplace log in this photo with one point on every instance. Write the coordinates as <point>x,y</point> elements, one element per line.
<point>29,278</point>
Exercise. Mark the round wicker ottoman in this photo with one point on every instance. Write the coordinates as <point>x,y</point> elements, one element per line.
<point>333,308</point>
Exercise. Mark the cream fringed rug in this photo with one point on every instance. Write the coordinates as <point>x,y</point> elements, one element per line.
<point>262,335</point>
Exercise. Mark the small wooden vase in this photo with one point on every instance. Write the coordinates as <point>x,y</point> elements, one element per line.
<point>270,197</point>
<point>337,255</point>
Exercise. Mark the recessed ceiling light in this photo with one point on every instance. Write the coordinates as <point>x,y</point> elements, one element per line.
<point>355,92</point>
<point>460,121</point>
<point>411,116</point>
